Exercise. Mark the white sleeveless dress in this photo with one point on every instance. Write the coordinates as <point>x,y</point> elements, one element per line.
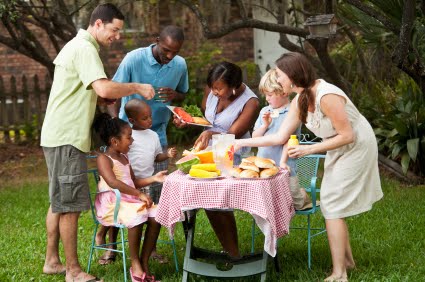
<point>351,182</point>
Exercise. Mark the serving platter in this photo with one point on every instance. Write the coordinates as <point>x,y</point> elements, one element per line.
<point>171,108</point>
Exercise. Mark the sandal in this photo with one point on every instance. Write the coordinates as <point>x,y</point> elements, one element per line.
<point>151,278</point>
<point>135,278</point>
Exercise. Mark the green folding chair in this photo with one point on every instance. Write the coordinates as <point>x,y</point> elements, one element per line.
<point>308,167</point>
<point>121,242</point>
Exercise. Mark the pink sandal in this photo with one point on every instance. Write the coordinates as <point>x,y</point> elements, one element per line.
<point>151,278</point>
<point>135,278</point>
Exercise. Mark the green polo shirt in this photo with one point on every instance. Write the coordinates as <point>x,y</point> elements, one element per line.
<point>72,101</point>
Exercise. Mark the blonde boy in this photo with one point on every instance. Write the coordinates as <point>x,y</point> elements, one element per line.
<point>269,122</point>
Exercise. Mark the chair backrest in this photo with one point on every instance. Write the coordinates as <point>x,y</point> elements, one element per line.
<point>92,196</point>
<point>307,170</point>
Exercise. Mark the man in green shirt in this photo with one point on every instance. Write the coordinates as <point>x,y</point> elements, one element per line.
<point>65,137</point>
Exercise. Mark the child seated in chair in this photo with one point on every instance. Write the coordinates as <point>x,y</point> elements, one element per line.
<point>268,122</point>
<point>136,208</point>
<point>145,150</point>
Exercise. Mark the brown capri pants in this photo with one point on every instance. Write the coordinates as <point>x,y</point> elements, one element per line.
<point>68,181</point>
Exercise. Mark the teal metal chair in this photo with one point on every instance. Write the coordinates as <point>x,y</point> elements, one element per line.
<point>307,173</point>
<point>95,174</point>
<point>121,242</point>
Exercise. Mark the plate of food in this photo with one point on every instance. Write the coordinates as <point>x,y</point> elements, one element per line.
<point>190,115</point>
<point>255,168</point>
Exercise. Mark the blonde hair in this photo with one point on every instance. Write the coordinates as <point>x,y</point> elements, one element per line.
<point>268,83</point>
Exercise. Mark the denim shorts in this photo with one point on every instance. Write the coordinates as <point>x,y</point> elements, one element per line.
<point>68,182</point>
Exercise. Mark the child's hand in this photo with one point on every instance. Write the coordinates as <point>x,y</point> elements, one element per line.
<point>285,166</point>
<point>171,152</point>
<point>267,119</point>
<point>145,198</point>
<point>178,122</point>
<point>160,176</point>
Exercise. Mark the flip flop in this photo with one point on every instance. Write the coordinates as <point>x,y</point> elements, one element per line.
<point>151,278</point>
<point>135,278</point>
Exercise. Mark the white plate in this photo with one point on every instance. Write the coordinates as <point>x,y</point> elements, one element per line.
<point>203,179</point>
<point>171,108</point>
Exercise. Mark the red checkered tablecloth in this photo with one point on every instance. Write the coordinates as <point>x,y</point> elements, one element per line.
<point>268,200</point>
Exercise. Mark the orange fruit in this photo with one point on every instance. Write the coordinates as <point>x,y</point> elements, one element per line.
<point>205,156</point>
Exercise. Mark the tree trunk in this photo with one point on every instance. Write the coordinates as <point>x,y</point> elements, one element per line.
<point>321,47</point>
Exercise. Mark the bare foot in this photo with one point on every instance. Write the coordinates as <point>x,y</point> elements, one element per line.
<point>81,277</point>
<point>57,268</point>
<point>159,258</point>
<point>107,258</point>
<point>335,278</point>
<point>350,265</point>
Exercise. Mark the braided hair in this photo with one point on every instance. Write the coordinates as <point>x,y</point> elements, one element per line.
<point>301,72</point>
<point>108,127</point>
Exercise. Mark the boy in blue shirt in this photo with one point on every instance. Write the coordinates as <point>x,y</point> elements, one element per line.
<point>268,122</point>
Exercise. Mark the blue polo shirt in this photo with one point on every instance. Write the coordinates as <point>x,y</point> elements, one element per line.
<point>275,152</point>
<point>140,66</point>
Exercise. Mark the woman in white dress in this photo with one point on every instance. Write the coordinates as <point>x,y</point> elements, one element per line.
<point>351,182</point>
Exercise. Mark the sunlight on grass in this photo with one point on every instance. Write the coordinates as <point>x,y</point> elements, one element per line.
<point>388,242</point>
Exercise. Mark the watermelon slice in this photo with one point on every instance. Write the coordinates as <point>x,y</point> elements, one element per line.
<point>185,163</point>
<point>183,114</point>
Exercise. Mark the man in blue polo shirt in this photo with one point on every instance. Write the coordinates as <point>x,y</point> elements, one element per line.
<point>160,66</point>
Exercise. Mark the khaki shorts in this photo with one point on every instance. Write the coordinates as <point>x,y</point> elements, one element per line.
<point>68,182</point>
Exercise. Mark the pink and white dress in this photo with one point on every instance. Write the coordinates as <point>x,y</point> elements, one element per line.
<point>132,211</point>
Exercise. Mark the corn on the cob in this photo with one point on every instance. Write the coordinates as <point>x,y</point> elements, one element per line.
<point>207,167</point>
<point>194,172</point>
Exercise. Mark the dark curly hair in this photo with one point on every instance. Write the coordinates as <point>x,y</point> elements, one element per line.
<point>108,127</point>
<point>230,73</point>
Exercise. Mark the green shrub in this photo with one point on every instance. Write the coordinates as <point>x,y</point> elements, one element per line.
<point>401,131</point>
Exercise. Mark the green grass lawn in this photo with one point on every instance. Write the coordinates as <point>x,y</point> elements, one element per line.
<point>388,242</point>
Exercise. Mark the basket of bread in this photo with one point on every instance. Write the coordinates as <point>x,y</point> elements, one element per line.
<point>255,167</point>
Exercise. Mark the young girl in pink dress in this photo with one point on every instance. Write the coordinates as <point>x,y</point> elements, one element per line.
<point>136,207</point>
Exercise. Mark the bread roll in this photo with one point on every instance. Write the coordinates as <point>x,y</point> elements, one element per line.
<point>235,171</point>
<point>264,163</point>
<point>250,159</point>
<point>248,165</point>
<point>269,172</point>
<point>247,173</point>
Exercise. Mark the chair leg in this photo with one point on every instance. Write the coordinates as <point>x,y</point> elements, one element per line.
<point>252,236</point>
<point>276,263</point>
<point>176,262</point>
<point>123,254</point>
<point>309,242</point>
<point>92,247</point>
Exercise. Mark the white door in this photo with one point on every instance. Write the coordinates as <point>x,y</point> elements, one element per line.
<point>266,44</point>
